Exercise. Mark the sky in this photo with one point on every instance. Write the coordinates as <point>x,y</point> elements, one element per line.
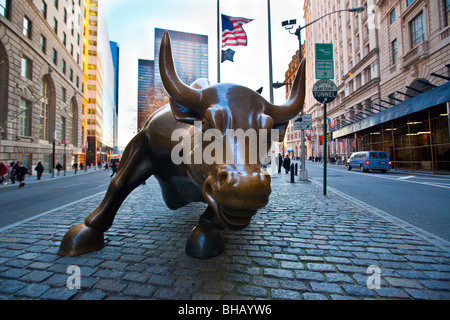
<point>131,23</point>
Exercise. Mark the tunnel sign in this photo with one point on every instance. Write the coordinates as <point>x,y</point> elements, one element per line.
<point>325,91</point>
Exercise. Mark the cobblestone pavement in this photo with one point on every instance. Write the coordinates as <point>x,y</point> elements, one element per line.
<point>302,246</point>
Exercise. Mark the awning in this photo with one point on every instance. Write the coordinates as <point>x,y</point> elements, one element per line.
<point>421,102</point>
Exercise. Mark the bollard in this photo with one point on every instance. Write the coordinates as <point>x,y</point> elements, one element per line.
<point>292,174</point>
<point>296,169</point>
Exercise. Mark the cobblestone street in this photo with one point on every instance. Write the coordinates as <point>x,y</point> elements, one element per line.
<point>303,246</point>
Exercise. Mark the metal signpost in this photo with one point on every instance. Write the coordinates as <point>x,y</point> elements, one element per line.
<point>303,122</point>
<point>325,91</point>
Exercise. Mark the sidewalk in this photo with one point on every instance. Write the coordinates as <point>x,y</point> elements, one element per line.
<point>302,246</point>
<point>48,176</point>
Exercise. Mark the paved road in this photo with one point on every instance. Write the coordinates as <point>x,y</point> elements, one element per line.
<point>37,198</point>
<point>423,201</point>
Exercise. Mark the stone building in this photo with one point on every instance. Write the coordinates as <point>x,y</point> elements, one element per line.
<point>392,70</point>
<point>41,76</point>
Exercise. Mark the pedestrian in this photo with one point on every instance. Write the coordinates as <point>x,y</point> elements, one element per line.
<point>39,169</point>
<point>12,172</point>
<point>3,172</point>
<point>75,167</point>
<point>21,172</point>
<point>287,164</point>
<point>58,168</point>
<point>81,166</point>
<point>106,166</point>
<point>114,169</point>
<point>280,162</point>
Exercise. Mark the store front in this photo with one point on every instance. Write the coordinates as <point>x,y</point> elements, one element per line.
<point>415,133</point>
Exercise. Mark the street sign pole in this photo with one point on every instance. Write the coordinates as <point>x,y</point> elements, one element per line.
<point>325,151</point>
<point>301,123</point>
<point>325,91</point>
<point>303,172</point>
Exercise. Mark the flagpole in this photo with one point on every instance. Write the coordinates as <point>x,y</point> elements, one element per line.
<point>270,54</point>
<point>219,42</point>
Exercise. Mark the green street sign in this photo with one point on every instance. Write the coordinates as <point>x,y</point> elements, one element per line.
<point>324,61</point>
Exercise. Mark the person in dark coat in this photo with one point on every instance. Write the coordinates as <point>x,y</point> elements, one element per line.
<point>59,168</point>
<point>280,162</point>
<point>114,169</point>
<point>40,170</point>
<point>75,167</point>
<point>287,164</point>
<point>21,172</point>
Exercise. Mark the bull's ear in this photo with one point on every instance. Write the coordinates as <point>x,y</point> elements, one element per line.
<point>183,114</point>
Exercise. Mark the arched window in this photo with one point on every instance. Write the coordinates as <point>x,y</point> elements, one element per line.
<point>43,111</point>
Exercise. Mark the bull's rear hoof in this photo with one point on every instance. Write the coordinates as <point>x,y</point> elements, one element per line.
<point>80,240</point>
<point>205,242</point>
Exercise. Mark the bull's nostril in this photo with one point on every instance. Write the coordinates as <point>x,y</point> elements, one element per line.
<point>222,178</point>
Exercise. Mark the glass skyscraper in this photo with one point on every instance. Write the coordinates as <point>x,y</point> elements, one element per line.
<point>190,54</point>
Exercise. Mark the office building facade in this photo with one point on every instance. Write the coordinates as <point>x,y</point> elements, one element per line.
<point>392,72</point>
<point>100,89</point>
<point>41,60</point>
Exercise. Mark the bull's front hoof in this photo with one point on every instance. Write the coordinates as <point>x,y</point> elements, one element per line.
<point>80,240</point>
<point>205,242</point>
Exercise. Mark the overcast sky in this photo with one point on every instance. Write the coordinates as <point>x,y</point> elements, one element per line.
<point>131,23</point>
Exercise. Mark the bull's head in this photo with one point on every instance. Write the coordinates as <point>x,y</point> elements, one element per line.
<point>234,191</point>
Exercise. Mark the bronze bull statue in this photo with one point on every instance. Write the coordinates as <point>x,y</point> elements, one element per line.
<point>234,192</point>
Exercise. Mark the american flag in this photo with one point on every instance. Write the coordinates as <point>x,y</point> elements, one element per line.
<point>232,32</point>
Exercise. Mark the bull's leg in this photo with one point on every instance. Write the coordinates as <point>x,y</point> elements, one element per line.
<point>135,168</point>
<point>206,241</point>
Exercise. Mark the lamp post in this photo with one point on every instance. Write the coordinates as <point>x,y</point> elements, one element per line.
<point>289,25</point>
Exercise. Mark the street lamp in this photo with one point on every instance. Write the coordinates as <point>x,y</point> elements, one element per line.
<point>289,25</point>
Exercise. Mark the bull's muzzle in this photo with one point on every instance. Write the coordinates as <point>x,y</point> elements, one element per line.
<point>236,195</point>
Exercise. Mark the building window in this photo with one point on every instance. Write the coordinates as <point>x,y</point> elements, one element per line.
<point>417,30</point>
<point>55,57</point>
<point>26,27</point>
<point>63,94</point>
<point>64,66</point>
<point>43,43</point>
<point>394,47</point>
<point>392,16</point>
<point>447,12</point>
<point>44,9</point>
<point>43,112</point>
<point>24,118</point>
<point>408,2</point>
<point>26,68</point>
<point>55,25</point>
<point>4,8</point>
<point>63,129</point>
<point>56,4</point>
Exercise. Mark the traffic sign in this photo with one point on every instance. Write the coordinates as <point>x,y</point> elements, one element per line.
<point>303,122</point>
<point>325,91</point>
<point>324,61</point>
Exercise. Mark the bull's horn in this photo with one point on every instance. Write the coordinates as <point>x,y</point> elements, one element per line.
<point>294,105</point>
<point>177,90</point>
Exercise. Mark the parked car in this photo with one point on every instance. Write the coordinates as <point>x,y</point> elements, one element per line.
<point>370,160</point>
